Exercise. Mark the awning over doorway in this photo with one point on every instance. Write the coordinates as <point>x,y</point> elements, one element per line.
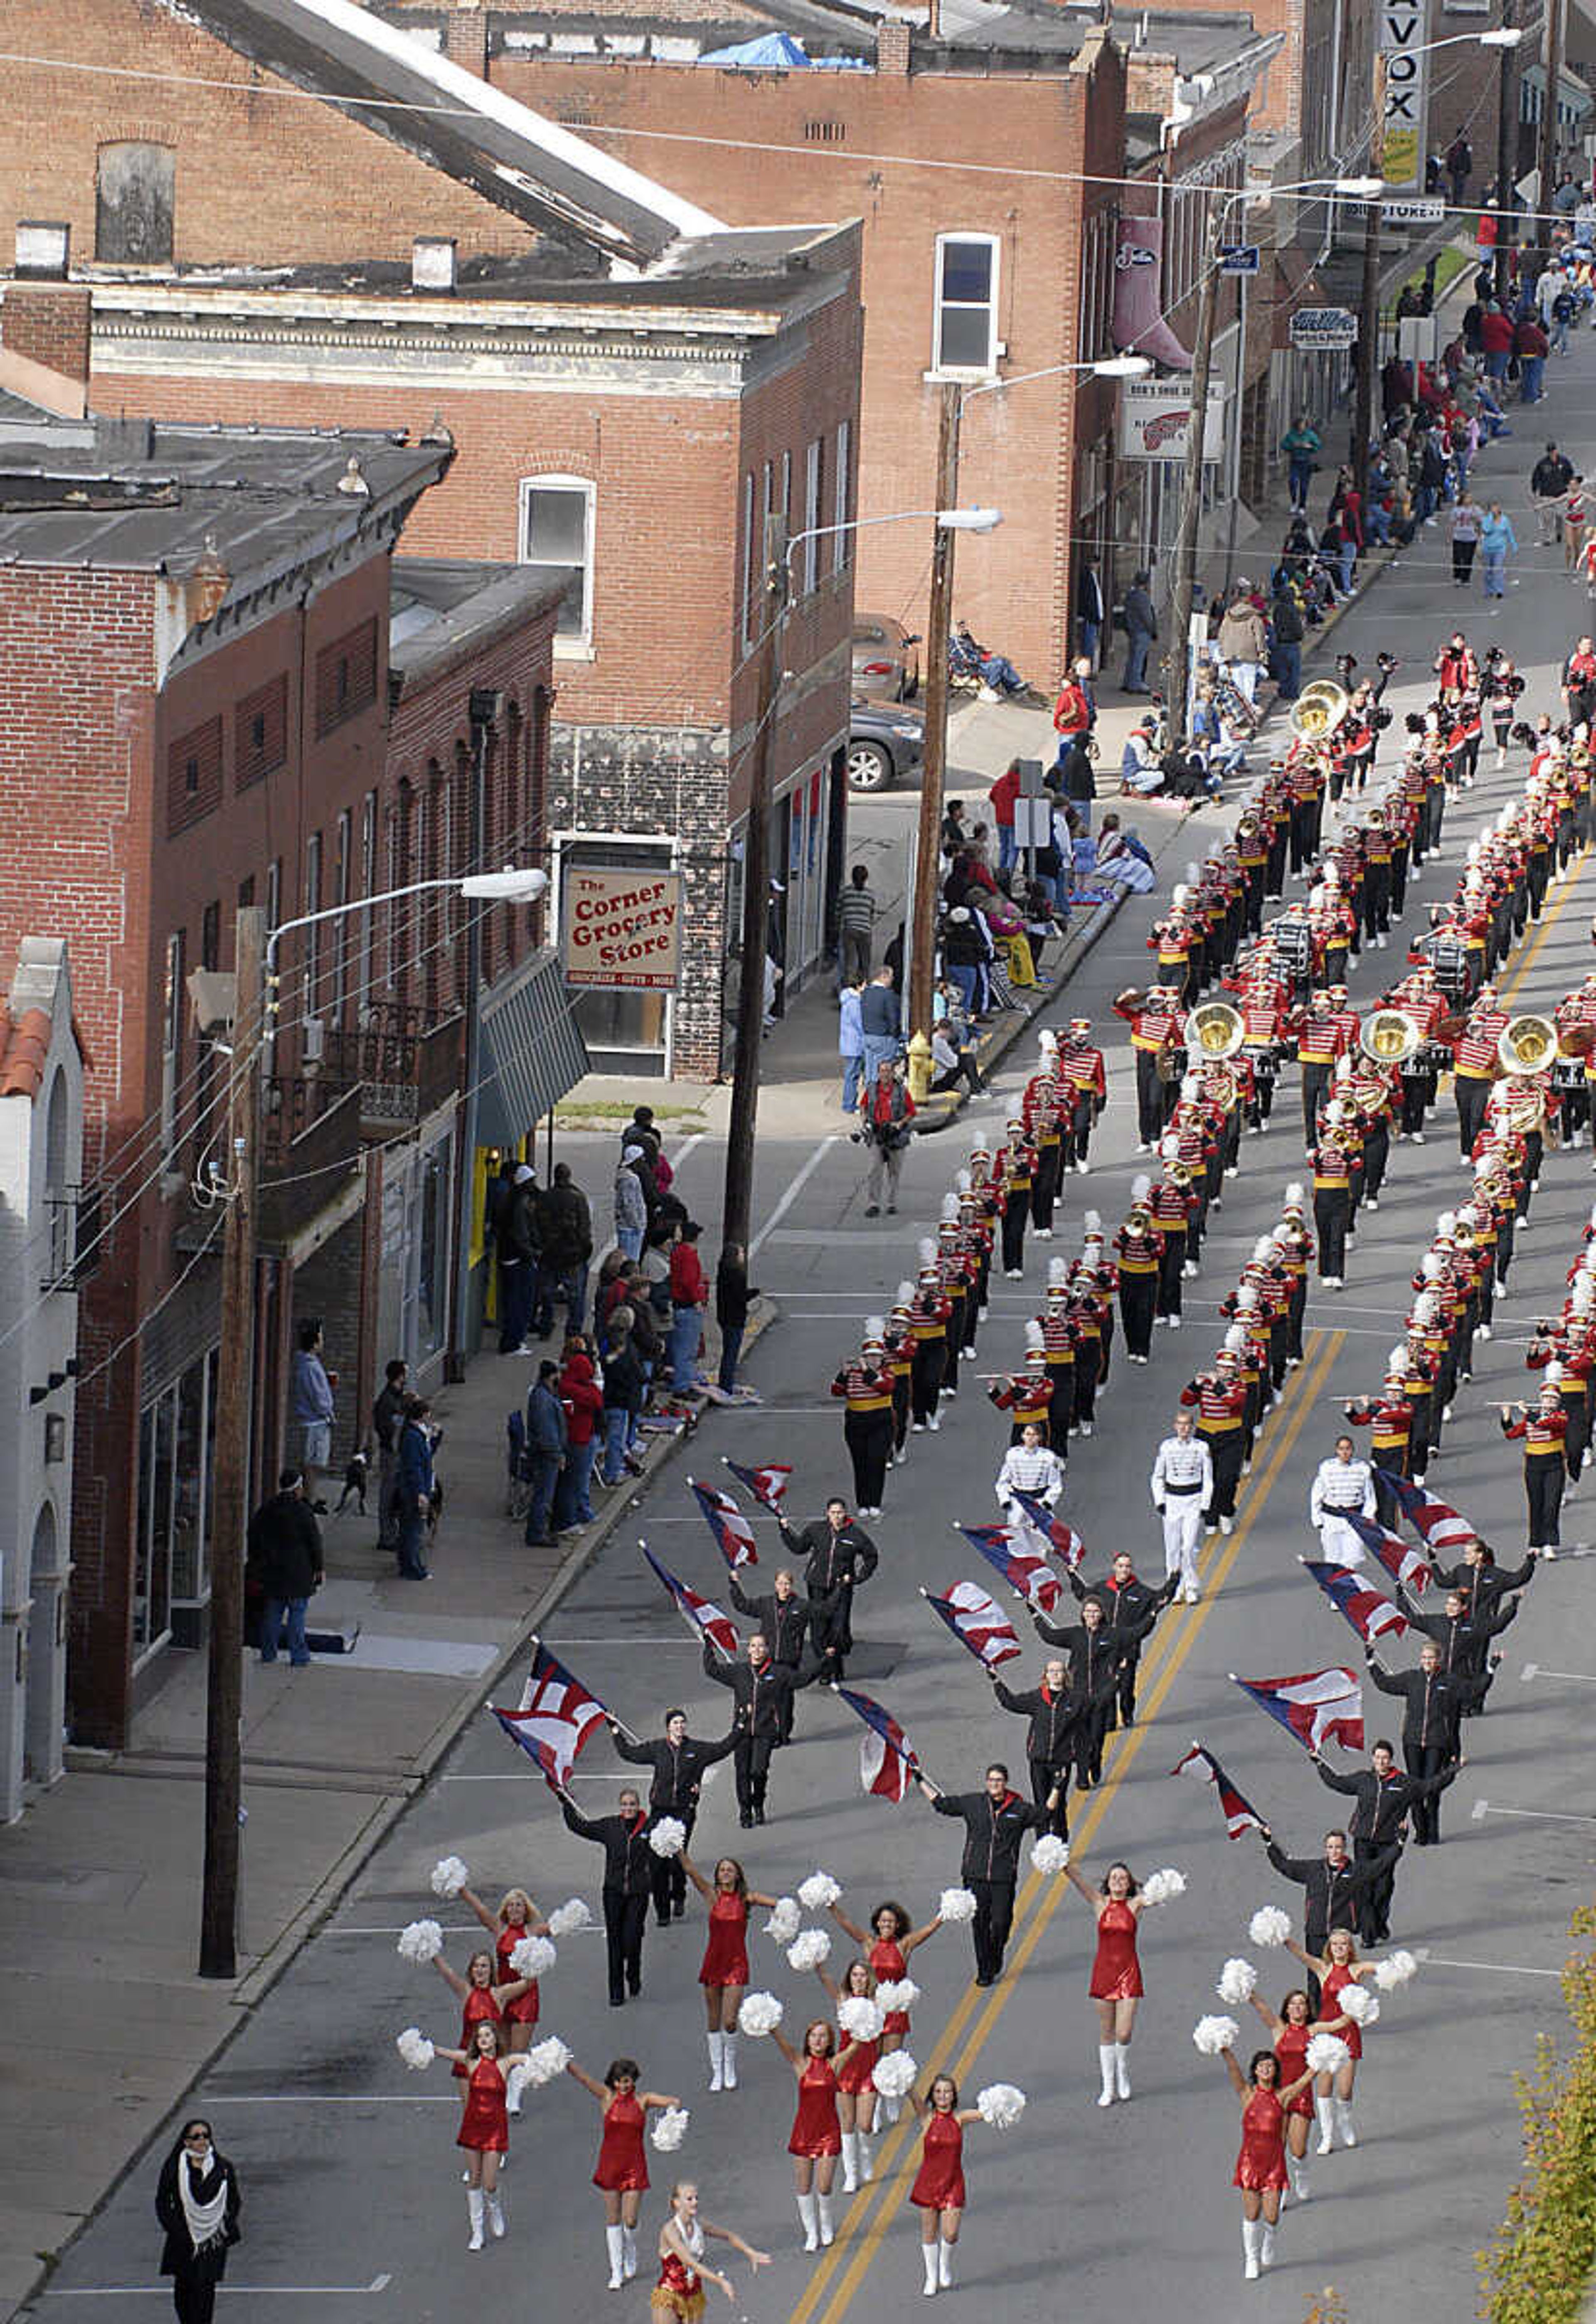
<point>532,1052</point>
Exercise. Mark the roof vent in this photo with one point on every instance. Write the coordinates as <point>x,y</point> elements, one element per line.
<point>432,263</point>
<point>353,483</point>
<point>42,247</point>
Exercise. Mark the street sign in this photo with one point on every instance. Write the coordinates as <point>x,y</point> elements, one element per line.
<point>1317,327</point>
<point>1239,258</point>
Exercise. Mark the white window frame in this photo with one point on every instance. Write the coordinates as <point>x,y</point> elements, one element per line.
<point>940,370</point>
<point>579,646</point>
<point>842,546</point>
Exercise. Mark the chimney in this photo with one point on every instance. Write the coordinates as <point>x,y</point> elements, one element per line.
<point>432,263</point>
<point>892,47</point>
<point>465,36</point>
<point>207,585</point>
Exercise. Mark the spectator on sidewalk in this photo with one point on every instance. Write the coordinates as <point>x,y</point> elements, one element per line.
<point>964,957</point>
<point>583,1403</point>
<point>850,1039</point>
<point>689,1297</point>
<point>632,1208</point>
<point>624,1389</point>
<point>387,1420</point>
<point>311,1403</point>
<point>1089,614</point>
<point>1244,641</point>
<point>1467,518</point>
<point>953,1062</point>
<point>1496,340</point>
<point>546,1437</point>
<point>565,1247</point>
<point>1075,714</point>
<point>1141,632</point>
<point>284,1549</point>
<point>732,1299</point>
<point>1531,346</point>
<point>885,1132</point>
<point>518,1262</point>
<point>1460,165</point>
<point>1003,796</point>
<point>1496,544</point>
<point>855,927</point>
<point>1076,781</point>
<point>880,1024</point>
<point>417,1485</point>
<point>1300,444</point>
<point>1549,481</point>
<point>1286,623</point>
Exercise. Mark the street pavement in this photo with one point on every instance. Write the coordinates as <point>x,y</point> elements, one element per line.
<point>353,2203</point>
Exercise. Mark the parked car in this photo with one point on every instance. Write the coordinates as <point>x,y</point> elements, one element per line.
<point>886,659</point>
<point>885,740</point>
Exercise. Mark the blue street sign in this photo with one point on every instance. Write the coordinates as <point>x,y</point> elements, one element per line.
<point>1239,258</point>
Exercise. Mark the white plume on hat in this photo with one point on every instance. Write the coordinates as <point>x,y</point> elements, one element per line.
<point>1047,1042</point>
<point>950,1210</point>
<point>875,1328</point>
<point>1235,1340</point>
<point>1180,894</point>
<point>927,1250</point>
<point>1263,1249</point>
<point>963,1181</point>
<point>1446,1222</point>
<point>1058,1274</point>
<point>1141,1186</point>
<point>905,1292</point>
<point>1552,1376</point>
<point>1294,1195</point>
<point>1396,1361</point>
<point>1034,1339</point>
<point>1430,1265</point>
<point>1092,1220</point>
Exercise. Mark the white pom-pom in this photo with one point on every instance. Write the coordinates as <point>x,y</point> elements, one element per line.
<point>860,2017</point>
<point>1238,1982</point>
<point>894,2074</point>
<point>1395,1970</point>
<point>414,2048</point>
<point>669,2128</point>
<point>956,1904</point>
<point>785,1920</point>
<point>533,1957</point>
<point>1269,1925</point>
<point>896,1993</point>
<point>1050,1854</point>
<point>1361,2007</point>
<point>423,1941</point>
<point>1163,1888</point>
<point>450,1875</point>
<point>808,1949</point>
<point>760,2014</point>
<point>567,1918</point>
<point>545,2061</point>
<point>1212,2034</point>
<point>818,1892</point>
<point>1326,2054</point>
<point>668,1837</point>
<point>999,2105</point>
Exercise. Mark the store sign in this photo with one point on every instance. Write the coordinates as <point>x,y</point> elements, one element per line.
<point>1402,36</point>
<point>622,930</point>
<point>1239,257</point>
<point>1155,419</point>
<point>1316,327</point>
<point>1420,212</point>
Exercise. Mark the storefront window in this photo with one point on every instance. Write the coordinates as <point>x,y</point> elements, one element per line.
<point>431,1289</point>
<point>177,1466</point>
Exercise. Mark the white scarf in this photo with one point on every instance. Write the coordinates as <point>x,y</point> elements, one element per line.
<point>205,2218</point>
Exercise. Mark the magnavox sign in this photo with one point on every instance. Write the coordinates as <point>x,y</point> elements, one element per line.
<point>622,929</point>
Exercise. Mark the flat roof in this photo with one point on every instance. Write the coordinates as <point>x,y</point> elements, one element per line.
<point>441,605</point>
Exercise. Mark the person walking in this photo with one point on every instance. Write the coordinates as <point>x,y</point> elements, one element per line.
<point>678,2296</point>
<point>387,1420</point>
<point>881,1026</point>
<point>840,1557</point>
<point>1384,1799</point>
<point>1549,481</point>
<point>628,1884</point>
<point>285,1551</point>
<point>1330,1883</point>
<point>689,1297</point>
<point>1051,1739</point>
<point>763,1691</point>
<point>1300,444</point>
<point>547,1435</point>
<point>417,1485</point>
<point>1089,613</point>
<point>311,1408</point>
<point>1467,517</point>
<point>1343,1488</point>
<point>855,927</point>
<point>1498,542</point>
<point>1285,621</point>
<point>1182,1485</point>
<point>1116,1984</point>
<point>886,1113</point>
<point>621,2173</point>
<point>678,1761</point>
<point>1436,1701</point>
<point>724,1974</point>
<point>995,1820</point>
<point>1243,642</point>
<point>849,1040</point>
<point>1260,2170</point>
<point>197,2205</point>
<point>1141,632</point>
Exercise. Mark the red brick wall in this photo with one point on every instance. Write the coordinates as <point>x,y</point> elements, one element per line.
<point>48,322</point>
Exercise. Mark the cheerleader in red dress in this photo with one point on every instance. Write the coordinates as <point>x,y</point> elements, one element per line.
<point>1337,1968</point>
<point>1116,1973</point>
<point>482,2002</point>
<point>725,1973</point>
<point>485,2125</point>
<point>855,2090</point>
<point>893,1942</point>
<point>1261,2166</point>
<point>680,2292</point>
<point>622,2172</point>
<point>938,2191</point>
<point>516,1917</point>
<point>1291,2032</point>
<point>817,2137</point>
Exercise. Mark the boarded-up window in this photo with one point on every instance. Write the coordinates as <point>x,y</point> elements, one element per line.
<point>260,738</point>
<point>345,677</point>
<point>193,776</point>
<point>135,196</point>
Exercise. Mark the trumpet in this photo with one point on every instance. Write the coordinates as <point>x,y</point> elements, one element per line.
<point>1215,1030</point>
<point>1319,709</point>
<point>1390,1037</point>
<point>1137,1218</point>
<point>1528,1045</point>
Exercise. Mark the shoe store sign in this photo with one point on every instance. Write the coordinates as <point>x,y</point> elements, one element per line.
<point>622,930</point>
<point>1155,419</point>
<point>1314,327</point>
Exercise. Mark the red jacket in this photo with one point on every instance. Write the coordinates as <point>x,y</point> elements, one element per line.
<point>582,1398</point>
<point>1496,332</point>
<point>1530,339</point>
<point>689,1285</point>
<point>1003,794</point>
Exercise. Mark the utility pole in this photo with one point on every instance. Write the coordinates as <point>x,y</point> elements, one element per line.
<point>1548,173</point>
<point>1369,311</point>
<point>218,1925</point>
<point>1507,153</point>
<point>933,770</point>
<point>737,1203</point>
<point>1175,686</point>
<point>486,708</point>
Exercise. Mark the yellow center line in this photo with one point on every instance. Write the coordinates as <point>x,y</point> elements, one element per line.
<point>1040,1898</point>
<point>1548,921</point>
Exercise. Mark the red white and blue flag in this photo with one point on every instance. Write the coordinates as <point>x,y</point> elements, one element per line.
<point>1401,1562</point>
<point>556,1717</point>
<point>1369,1611</point>
<point>768,1484</point>
<point>1021,1568</point>
<point>888,1762</point>
<point>734,1536</point>
<point>976,1622</point>
<point>1063,1540</point>
<point>1240,1815</point>
<point>1439,1527</point>
<point>701,1613</point>
<point>1318,1707</point>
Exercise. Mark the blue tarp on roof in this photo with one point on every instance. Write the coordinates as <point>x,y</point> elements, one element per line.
<point>779,52</point>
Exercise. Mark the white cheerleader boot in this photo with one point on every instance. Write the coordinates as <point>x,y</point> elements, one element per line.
<point>866,2160</point>
<point>1265,2244</point>
<point>615,2244</point>
<point>474,2207</point>
<point>495,2211</point>
<point>1297,2171</point>
<point>728,2061</point>
<point>1250,2240</point>
<point>944,2264</point>
<point>1322,2107</point>
<point>1343,2122</point>
<point>713,2042</point>
<point>823,2212</point>
<point>849,2163</point>
<point>1122,2068</point>
<point>928,2253</point>
<point>1105,2059</point>
<point>807,2213</point>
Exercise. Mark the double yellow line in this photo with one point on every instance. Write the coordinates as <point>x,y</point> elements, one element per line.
<point>842,2271</point>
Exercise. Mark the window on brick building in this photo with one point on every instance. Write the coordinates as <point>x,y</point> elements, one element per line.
<point>965,337</point>
<point>340,929</point>
<point>346,677</point>
<point>260,732</point>
<point>193,776</point>
<point>368,888</point>
<point>134,201</point>
<point>173,1002</point>
<point>310,905</point>
<point>556,541</point>
<point>841,543</point>
<point>814,501</point>
<point>750,563</point>
<point>273,893</point>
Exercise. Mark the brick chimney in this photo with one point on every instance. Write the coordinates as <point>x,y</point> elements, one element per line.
<point>45,323</point>
<point>465,36</point>
<point>891,47</point>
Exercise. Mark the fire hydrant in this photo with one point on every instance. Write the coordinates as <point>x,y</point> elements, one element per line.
<point>919,1067</point>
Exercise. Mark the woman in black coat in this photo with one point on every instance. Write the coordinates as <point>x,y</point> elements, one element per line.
<point>197,2204</point>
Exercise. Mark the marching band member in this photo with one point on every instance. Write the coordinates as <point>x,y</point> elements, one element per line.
<point>928,1322</point>
<point>1342,1487</point>
<point>1029,1467</point>
<point>1139,1252</point>
<point>1016,1171</point>
<point>1028,1395</point>
<point>867,1385</point>
<point>1332,1205</point>
<point>1319,1043</point>
<point>1156,1020</point>
<point>1039,1115</point>
<point>1172,1206</point>
<point>1055,1718</point>
<point>1389,1419</point>
<point>1131,1607</point>
<point>1220,1399</point>
<point>1544,1433</point>
<point>1182,1486</point>
<point>1436,1701</point>
<point>1083,1075</point>
<point>1058,1345</point>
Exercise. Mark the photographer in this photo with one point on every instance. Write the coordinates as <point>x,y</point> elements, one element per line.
<point>886,1112</point>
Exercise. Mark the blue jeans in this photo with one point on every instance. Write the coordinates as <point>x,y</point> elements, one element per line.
<point>630,1240</point>
<point>1288,671</point>
<point>1424,503</point>
<point>272,1622</point>
<point>1090,639</point>
<point>880,1049</point>
<point>617,1436</point>
<point>1136,653</point>
<point>1301,480</point>
<point>686,1325</point>
<point>1530,368</point>
<point>412,1540</point>
<point>1560,336</point>
<point>1492,565</point>
<point>967,979</point>
<point>1496,363</point>
<point>543,1470</point>
<point>1007,849</point>
<point>571,1504</point>
<point>1378,525</point>
<point>731,1349</point>
<point>852,1069</point>
<point>569,1283</point>
<point>1349,557</point>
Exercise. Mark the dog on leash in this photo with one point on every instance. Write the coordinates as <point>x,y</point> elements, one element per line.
<point>353,1484</point>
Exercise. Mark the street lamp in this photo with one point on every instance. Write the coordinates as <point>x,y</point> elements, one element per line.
<point>255,1008</point>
